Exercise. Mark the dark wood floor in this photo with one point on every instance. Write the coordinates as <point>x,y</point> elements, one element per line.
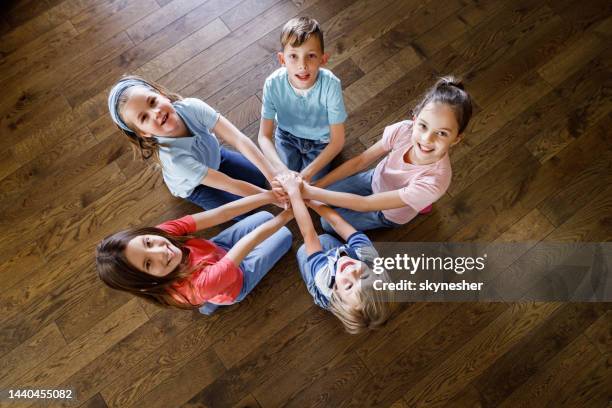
<point>535,166</point>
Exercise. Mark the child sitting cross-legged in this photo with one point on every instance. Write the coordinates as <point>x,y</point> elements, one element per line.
<point>338,275</point>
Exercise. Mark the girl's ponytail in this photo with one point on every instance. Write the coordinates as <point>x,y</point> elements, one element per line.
<point>450,91</point>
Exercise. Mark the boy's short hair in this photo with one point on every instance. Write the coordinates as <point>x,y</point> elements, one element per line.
<point>299,29</point>
<point>375,306</point>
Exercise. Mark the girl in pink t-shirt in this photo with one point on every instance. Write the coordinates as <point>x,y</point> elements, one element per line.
<point>415,171</point>
<point>167,266</point>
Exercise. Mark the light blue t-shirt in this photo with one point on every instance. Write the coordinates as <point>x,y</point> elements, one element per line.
<point>185,160</point>
<point>306,116</point>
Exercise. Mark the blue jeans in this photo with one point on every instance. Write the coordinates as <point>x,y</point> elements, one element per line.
<point>360,184</point>
<point>297,153</point>
<point>236,166</point>
<point>260,260</point>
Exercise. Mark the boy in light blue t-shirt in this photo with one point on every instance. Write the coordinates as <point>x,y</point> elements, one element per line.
<point>306,102</point>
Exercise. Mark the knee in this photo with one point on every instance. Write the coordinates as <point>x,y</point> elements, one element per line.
<point>326,225</point>
<point>263,215</point>
<point>302,251</point>
<point>286,238</point>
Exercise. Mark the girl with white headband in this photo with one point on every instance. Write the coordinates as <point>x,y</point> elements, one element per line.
<point>181,134</point>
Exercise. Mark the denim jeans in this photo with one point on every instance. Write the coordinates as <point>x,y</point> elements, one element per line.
<point>360,184</point>
<point>297,153</point>
<point>260,260</point>
<point>236,166</point>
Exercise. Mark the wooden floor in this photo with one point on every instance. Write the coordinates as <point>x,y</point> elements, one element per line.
<point>535,166</point>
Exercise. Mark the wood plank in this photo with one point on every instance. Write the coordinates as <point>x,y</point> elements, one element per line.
<point>600,333</point>
<point>129,351</point>
<point>16,268</point>
<point>311,331</point>
<point>380,78</point>
<point>291,304</point>
<point>336,386</point>
<point>410,27</point>
<point>25,95</point>
<point>87,347</point>
<point>521,362</point>
<point>444,381</point>
<point>588,224</point>
<point>229,45</point>
<point>13,186</point>
<point>593,107</point>
<point>95,402</point>
<point>248,402</point>
<point>382,348</point>
<point>446,339</point>
<point>532,227</point>
<point>560,370</point>
<point>242,13</point>
<point>16,13</point>
<point>591,389</point>
<point>189,47</point>
<point>185,382</point>
<point>161,18</point>
<point>30,354</point>
<point>101,11</point>
<point>14,38</point>
<point>98,303</point>
<point>77,197</point>
<point>246,113</point>
<point>96,81</point>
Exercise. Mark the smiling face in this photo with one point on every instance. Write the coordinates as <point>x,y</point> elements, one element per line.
<point>349,274</point>
<point>303,62</point>
<point>153,254</point>
<point>151,113</point>
<point>434,131</point>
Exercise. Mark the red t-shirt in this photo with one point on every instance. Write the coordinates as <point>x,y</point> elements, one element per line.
<point>218,282</point>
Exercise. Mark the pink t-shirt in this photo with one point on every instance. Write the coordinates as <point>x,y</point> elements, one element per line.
<point>219,281</point>
<point>418,185</point>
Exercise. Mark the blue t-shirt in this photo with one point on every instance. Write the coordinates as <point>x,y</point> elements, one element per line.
<point>185,160</point>
<point>306,116</point>
<point>320,271</point>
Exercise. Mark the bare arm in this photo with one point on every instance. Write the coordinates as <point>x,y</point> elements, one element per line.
<point>291,183</point>
<point>266,128</point>
<point>354,165</point>
<point>221,181</point>
<point>339,224</point>
<point>374,202</point>
<point>336,143</point>
<point>244,145</point>
<point>219,215</point>
<point>246,244</point>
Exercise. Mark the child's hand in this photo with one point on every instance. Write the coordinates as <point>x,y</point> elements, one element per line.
<point>280,195</point>
<point>306,177</point>
<point>291,182</point>
<point>314,204</point>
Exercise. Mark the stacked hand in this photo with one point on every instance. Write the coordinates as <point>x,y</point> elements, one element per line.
<point>286,184</point>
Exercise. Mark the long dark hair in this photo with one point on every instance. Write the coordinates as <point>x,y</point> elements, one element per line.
<point>117,272</point>
<point>450,91</point>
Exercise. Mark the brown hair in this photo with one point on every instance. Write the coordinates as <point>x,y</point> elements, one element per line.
<point>375,306</point>
<point>299,29</point>
<point>147,147</point>
<point>117,272</point>
<point>449,90</point>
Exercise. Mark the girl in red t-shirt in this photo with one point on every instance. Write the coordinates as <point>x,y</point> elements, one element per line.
<point>167,266</point>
